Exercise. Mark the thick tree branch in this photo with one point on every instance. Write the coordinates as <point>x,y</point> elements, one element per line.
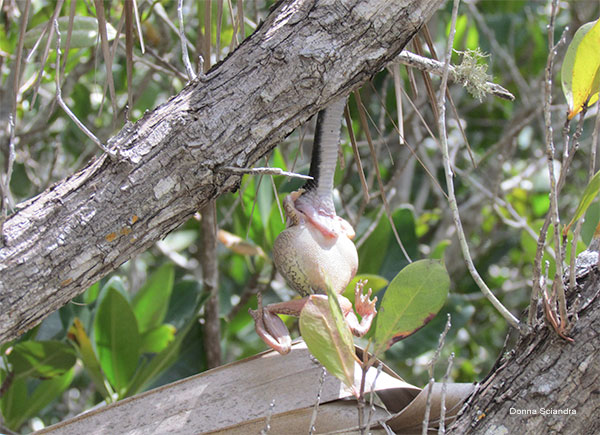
<point>304,55</point>
<point>545,384</point>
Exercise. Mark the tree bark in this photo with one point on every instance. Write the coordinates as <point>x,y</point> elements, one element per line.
<point>171,162</point>
<point>545,384</point>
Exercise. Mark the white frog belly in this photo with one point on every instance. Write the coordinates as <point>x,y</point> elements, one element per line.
<point>309,261</point>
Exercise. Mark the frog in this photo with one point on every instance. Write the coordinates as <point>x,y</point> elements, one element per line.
<point>315,250</point>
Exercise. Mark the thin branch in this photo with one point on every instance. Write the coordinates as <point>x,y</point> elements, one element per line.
<point>442,339</point>
<point>552,215</point>
<point>108,58</point>
<point>436,67</point>
<point>315,411</point>
<point>19,55</point>
<point>511,319</point>
<point>442,426</point>
<point>184,51</point>
<point>50,31</point>
<point>263,171</point>
<point>138,25</point>
<point>5,194</point>
<point>64,106</point>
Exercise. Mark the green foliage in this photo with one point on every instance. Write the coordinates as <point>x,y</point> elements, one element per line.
<point>151,301</point>
<point>41,359</point>
<point>18,405</point>
<point>412,299</point>
<point>52,361</point>
<point>117,338</point>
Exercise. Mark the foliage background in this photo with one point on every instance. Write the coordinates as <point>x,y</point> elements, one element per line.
<point>506,140</point>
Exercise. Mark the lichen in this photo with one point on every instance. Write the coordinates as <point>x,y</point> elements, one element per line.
<point>472,73</point>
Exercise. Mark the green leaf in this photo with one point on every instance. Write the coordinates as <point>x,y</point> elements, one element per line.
<point>580,69</point>
<point>589,194</point>
<point>84,33</point>
<point>91,294</point>
<point>117,338</point>
<point>151,302</point>
<point>328,337</point>
<point>83,344</point>
<point>160,362</point>
<point>13,402</point>
<point>46,392</point>
<point>592,217</point>
<point>374,282</point>
<point>411,300</point>
<point>437,253</point>
<point>41,359</point>
<point>381,253</point>
<point>157,339</point>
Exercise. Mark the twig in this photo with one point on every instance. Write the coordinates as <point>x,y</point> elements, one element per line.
<point>315,411</point>
<point>570,153</point>
<point>372,398</point>
<point>19,56</point>
<point>138,25</point>
<point>441,343</point>
<point>263,171</point>
<point>184,50</point>
<point>436,67</point>
<point>512,320</point>
<point>64,106</point>
<point>442,426</point>
<point>265,430</point>
<point>108,58</point>
<point>552,216</point>
<point>5,194</point>
<point>49,29</point>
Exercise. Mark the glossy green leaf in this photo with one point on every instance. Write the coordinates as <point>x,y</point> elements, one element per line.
<point>580,69</point>
<point>117,338</point>
<point>151,302</point>
<point>84,33</point>
<point>328,337</point>
<point>589,194</point>
<point>41,359</point>
<point>157,339</point>
<point>411,300</point>
<point>83,344</point>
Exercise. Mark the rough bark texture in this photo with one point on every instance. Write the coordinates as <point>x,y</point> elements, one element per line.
<point>169,163</point>
<point>545,374</point>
